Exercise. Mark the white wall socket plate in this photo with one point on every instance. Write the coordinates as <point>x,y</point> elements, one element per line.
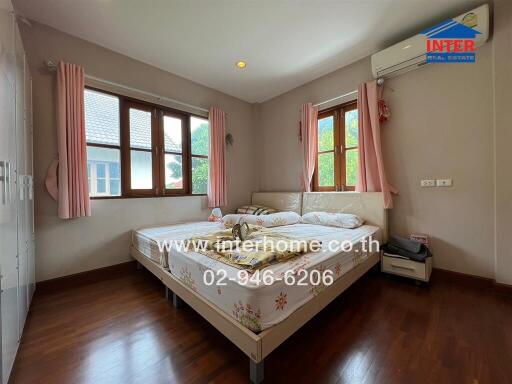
<point>428,183</point>
<point>444,182</point>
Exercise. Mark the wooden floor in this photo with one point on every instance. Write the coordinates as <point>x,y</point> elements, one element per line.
<point>382,330</point>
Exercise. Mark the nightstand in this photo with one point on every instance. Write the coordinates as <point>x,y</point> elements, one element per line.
<point>397,265</point>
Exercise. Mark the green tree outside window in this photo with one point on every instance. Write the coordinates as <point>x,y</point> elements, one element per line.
<point>199,146</point>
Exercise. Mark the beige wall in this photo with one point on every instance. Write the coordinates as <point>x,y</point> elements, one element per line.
<point>447,121</point>
<point>503,134</point>
<point>441,127</point>
<point>67,247</point>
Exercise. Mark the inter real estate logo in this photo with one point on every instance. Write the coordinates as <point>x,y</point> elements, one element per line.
<point>452,41</point>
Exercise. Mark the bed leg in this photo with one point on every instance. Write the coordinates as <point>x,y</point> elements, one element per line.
<point>168,293</point>
<point>176,301</point>
<point>256,371</point>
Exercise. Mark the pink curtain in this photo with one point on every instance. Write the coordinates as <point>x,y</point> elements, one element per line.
<point>73,191</point>
<point>309,137</point>
<point>371,175</point>
<point>217,191</point>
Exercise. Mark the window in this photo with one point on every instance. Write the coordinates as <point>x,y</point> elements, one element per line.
<point>336,165</point>
<point>199,154</point>
<point>173,148</point>
<point>137,149</point>
<point>141,154</point>
<point>102,132</point>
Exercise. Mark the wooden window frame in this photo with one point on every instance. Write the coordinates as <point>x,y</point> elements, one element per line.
<point>185,153</point>
<point>157,149</point>
<point>340,161</point>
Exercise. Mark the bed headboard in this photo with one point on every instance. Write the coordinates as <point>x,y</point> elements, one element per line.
<point>367,205</point>
<point>282,201</point>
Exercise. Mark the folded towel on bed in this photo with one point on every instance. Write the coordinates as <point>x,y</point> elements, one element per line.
<point>261,248</point>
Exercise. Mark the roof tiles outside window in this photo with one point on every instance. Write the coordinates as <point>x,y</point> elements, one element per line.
<point>101,118</point>
<point>140,129</point>
<point>102,125</point>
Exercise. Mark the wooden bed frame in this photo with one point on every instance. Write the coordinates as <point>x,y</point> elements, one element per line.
<point>259,345</point>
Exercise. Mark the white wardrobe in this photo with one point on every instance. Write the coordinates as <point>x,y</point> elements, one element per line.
<point>17,266</point>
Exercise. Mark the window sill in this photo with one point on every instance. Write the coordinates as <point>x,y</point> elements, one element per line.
<point>332,190</point>
<point>141,197</point>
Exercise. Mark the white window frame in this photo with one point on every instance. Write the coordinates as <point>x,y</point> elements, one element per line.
<point>93,192</point>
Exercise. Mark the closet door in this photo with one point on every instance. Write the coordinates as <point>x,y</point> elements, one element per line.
<point>21,159</point>
<point>31,267</point>
<point>8,214</point>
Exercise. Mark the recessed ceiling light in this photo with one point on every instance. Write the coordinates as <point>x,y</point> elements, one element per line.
<point>241,64</point>
<point>407,46</point>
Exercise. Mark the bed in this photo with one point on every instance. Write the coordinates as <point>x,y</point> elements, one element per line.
<point>259,317</point>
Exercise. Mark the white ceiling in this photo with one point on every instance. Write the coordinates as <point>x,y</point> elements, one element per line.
<point>286,43</point>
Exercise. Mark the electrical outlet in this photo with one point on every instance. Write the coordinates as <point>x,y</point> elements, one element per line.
<point>428,183</point>
<point>444,182</point>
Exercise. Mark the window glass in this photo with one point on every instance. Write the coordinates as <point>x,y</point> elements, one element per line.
<point>101,187</point>
<point>89,176</point>
<point>115,187</point>
<point>351,129</point>
<point>141,165</point>
<point>351,164</point>
<point>114,171</point>
<point>199,175</point>
<point>326,169</point>
<point>100,170</point>
<point>172,134</point>
<point>326,134</point>
<point>199,136</point>
<point>114,179</point>
<point>101,162</point>
<point>101,118</point>
<point>140,129</point>
<point>173,171</point>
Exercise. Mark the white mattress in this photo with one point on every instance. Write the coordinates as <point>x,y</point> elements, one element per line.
<point>257,306</point>
<point>146,239</point>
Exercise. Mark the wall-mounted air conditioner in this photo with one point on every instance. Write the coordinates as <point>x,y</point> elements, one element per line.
<point>411,53</point>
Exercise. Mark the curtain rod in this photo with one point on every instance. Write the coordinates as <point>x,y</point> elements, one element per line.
<point>380,82</point>
<point>52,67</point>
<point>335,98</point>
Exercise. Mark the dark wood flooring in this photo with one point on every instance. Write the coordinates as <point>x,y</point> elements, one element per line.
<point>381,330</point>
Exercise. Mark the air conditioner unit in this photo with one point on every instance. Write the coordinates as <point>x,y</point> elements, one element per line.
<point>411,53</point>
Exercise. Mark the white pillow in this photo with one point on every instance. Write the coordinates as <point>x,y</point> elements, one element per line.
<point>272,220</point>
<point>232,219</point>
<point>342,220</point>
